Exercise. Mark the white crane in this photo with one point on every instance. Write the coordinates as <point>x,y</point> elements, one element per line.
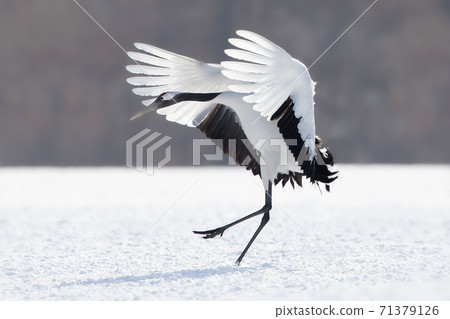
<point>260,105</point>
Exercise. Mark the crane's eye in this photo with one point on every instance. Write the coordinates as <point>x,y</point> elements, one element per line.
<point>161,97</point>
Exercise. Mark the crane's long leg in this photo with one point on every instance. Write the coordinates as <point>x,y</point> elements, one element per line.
<point>220,230</point>
<point>264,210</point>
<point>264,221</point>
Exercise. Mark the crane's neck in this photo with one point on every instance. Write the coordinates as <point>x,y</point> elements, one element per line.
<point>198,97</point>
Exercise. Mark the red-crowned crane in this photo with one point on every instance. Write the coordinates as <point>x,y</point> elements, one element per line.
<point>263,95</point>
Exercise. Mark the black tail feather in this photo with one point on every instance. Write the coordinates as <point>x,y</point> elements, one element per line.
<point>320,170</point>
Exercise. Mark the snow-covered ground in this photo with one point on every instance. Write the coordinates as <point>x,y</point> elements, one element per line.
<point>117,234</point>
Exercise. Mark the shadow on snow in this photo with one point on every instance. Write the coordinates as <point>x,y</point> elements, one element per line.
<point>167,276</point>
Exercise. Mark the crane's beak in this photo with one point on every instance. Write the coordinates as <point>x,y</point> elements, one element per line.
<point>147,109</point>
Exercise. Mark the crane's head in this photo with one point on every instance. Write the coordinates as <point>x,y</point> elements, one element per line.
<point>166,99</point>
<point>163,100</point>
<point>170,98</point>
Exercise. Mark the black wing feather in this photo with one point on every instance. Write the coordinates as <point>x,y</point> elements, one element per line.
<point>288,127</point>
<point>223,124</point>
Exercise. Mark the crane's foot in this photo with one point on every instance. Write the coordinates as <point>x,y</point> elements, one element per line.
<point>264,210</point>
<point>211,233</point>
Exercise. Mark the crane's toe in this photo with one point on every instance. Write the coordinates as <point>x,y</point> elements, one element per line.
<point>211,233</point>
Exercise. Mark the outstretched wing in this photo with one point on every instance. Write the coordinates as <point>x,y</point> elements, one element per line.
<point>162,71</point>
<point>277,85</point>
<point>158,71</point>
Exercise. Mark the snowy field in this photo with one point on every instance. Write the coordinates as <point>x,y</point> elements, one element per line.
<point>383,233</point>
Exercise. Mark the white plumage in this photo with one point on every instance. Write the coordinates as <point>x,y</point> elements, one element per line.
<point>262,95</point>
<point>276,77</point>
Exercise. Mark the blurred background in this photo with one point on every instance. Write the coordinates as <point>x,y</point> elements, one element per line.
<point>382,93</point>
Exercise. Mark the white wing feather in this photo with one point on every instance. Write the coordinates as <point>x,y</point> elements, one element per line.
<point>160,71</point>
<point>264,71</point>
<point>270,76</point>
